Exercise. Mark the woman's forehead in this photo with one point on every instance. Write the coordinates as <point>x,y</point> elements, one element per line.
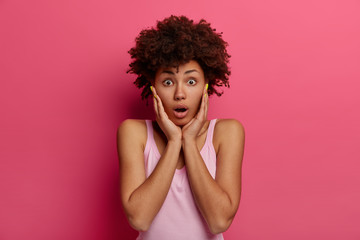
<point>186,68</point>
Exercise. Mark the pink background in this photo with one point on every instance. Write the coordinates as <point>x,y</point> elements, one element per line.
<point>64,91</point>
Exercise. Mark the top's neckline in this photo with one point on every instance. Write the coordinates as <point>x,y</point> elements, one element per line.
<point>157,152</point>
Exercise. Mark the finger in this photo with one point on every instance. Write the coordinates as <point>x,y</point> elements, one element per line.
<point>153,90</point>
<point>156,105</point>
<point>202,110</point>
<point>189,123</point>
<point>161,106</point>
<point>206,104</point>
<point>206,100</point>
<point>205,93</point>
<point>161,110</point>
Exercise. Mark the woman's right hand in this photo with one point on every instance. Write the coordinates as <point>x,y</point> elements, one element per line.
<point>172,132</point>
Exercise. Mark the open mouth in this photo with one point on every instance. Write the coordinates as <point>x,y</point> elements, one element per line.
<point>180,111</point>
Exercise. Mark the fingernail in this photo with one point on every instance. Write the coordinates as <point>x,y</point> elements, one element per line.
<point>151,88</point>
<point>207,86</point>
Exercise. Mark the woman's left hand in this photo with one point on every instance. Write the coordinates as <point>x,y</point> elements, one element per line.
<point>192,129</point>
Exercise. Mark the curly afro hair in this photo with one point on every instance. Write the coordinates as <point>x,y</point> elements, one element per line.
<point>177,40</point>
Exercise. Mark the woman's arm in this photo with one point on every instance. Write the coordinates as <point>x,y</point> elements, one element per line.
<point>143,197</point>
<point>218,199</point>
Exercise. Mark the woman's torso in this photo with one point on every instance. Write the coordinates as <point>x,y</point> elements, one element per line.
<point>179,217</point>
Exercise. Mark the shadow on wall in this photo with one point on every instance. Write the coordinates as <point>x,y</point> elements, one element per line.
<point>141,109</point>
<point>123,227</point>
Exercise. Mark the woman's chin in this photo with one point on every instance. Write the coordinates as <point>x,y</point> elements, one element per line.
<point>181,122</point>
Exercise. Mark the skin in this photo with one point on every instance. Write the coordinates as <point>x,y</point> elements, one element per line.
<point>179,141</point>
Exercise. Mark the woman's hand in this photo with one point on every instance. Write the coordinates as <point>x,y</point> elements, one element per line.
<point>172,132</point>
<point>192,129</point>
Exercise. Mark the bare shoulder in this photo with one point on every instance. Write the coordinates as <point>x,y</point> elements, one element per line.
<point>227,131</point>
<point>131,141</point>
<point>132,124</point>
<point>228,127</point>
<point>133,131</point>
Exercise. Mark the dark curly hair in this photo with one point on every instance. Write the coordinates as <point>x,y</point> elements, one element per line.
<point>177,40</point>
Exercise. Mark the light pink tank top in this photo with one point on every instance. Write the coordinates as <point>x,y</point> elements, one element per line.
<point>179,217</point>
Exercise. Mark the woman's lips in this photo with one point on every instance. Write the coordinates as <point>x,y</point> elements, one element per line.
<point>181,111</point>
<point>179,114</point>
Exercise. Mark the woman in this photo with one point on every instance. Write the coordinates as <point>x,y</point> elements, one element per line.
<point>181,174</point>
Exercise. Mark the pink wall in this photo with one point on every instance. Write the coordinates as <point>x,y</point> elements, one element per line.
<point>64,91</point>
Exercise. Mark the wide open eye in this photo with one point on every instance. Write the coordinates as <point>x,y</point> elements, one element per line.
<point>192,81</point>
<point>168,82</point>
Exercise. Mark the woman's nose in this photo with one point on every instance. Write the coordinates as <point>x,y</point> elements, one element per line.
<point>179,93</point>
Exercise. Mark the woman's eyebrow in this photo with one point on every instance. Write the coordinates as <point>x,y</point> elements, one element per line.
<point>172,73</point>
<point>169,72</point>
<point>190,71</point>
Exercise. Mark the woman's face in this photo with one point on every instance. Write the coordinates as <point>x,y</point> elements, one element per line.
<point>180,91</point>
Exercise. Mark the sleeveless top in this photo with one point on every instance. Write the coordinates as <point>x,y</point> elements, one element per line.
<point>179,218</point>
